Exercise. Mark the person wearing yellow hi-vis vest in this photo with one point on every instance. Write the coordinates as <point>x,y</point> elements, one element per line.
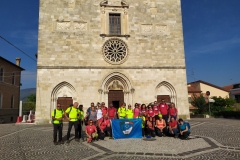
<point>72,114</point>
<point>122,111</point>
<point>57,117</point>
<point>143,123</point>
<point>129,112</point>
<point>80,121</point>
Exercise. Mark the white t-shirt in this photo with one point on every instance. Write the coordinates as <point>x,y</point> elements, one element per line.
<point>99,114</point>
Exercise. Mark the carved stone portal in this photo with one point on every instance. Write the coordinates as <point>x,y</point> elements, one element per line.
<point>115,86</point>
<point>63,26</point>
<point>81,26</point>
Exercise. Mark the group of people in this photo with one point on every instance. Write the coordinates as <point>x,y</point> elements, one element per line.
<point>157,120</point>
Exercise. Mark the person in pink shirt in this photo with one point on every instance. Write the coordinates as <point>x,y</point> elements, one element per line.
<point>112,112</point>
<point>150,130</point>
<point>163,108</point>
<point>91,131</point>
<point>104,109</point>
<point>155,110</point>
<point>136,111</point>
<point>144,110</point>
<point>173,112</point>
<point>151,115</point>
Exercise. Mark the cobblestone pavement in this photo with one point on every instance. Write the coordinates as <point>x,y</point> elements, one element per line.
<point>212,139</point>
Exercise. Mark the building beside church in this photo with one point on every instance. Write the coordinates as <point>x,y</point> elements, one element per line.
<point>110,51</point>
<point>10,83</point>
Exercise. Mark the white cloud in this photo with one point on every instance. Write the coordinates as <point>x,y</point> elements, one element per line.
<point>215,47</point>
<point>29,38</point>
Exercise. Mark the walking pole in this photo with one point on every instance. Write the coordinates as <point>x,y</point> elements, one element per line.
<point>82,133</point>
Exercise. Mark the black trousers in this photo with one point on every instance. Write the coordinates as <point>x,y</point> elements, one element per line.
<point>143,132</point>
<point>108,130</point>
<point>80,129</point>
<point>151,132</point>
<point>70,124</point>
<point>57,130</point>
<point>159,133</point>
<point>165,117</point>
<point>184,135</point>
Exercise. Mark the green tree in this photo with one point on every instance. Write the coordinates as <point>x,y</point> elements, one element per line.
<point>31,98</point>
<point>30,104</point>
<point>199,102</point>
<point>222,104</point>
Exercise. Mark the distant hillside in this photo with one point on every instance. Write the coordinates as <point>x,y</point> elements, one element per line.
<point>24,93</point>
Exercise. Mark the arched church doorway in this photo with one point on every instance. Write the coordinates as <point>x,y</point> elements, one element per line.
<point>116,97</point>
<point>65,102</point>
<point>63,93</point>
<point>166,91</point>
<point>165,97</point>
<point>116,88</point>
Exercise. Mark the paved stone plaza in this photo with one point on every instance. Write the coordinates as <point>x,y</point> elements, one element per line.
<point>210,139</point>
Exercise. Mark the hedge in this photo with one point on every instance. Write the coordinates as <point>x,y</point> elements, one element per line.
<point>228,114</point>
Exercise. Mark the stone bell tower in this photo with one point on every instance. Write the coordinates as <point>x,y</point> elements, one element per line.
<point>110,51</point>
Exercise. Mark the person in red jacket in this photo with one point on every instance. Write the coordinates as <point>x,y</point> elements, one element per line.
<point>173,112</point>
<point>104,126</point>
<point>155,110</point>
<point>112,112</point>
<point>104,109</point>
<point>163,108</point>
<point>91,131</point>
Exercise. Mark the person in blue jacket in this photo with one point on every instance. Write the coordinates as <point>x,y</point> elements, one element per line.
<point>184,129</point>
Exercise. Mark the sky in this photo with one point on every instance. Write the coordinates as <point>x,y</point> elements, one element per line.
<point>211,30</point>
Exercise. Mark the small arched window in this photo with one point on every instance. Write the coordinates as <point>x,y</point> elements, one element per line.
<point>12,101</point>
<point>1,74</point>
<point>0,100</point>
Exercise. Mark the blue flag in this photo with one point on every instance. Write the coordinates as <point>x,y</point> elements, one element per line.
<point>127,128</point>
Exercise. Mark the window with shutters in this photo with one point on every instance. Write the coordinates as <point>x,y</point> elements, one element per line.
<point>1,74</point>
<point>114,19</point>
<point>13,78</point>
<point>114,24</point>
<point>12,101</point>
<point>0,100</point>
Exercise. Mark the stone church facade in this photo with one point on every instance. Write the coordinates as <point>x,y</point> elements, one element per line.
<point>110,51</point>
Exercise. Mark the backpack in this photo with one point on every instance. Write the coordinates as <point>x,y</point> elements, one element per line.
<point>71,110</point>
<point>188,125</point>
<point>55,114</point>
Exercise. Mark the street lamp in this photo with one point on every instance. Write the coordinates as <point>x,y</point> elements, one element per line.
<point>210,101</point>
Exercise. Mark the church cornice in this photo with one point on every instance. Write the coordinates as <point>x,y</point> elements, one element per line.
<point>111,67</point>
<point>105,4</point>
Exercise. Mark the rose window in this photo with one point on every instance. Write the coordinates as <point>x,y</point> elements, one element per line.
<point>115,51</point>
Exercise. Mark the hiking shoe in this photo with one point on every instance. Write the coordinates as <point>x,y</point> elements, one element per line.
<point>55,143</point>
<point>61,142</point>
<point>110,137</point>
<point>77,140</point>
<point>68,141</point>
<point>187,138</point>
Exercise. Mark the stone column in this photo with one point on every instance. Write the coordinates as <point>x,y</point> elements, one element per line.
<point>100,91</point>
<point>132,93</point>
<point>105,97</point>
